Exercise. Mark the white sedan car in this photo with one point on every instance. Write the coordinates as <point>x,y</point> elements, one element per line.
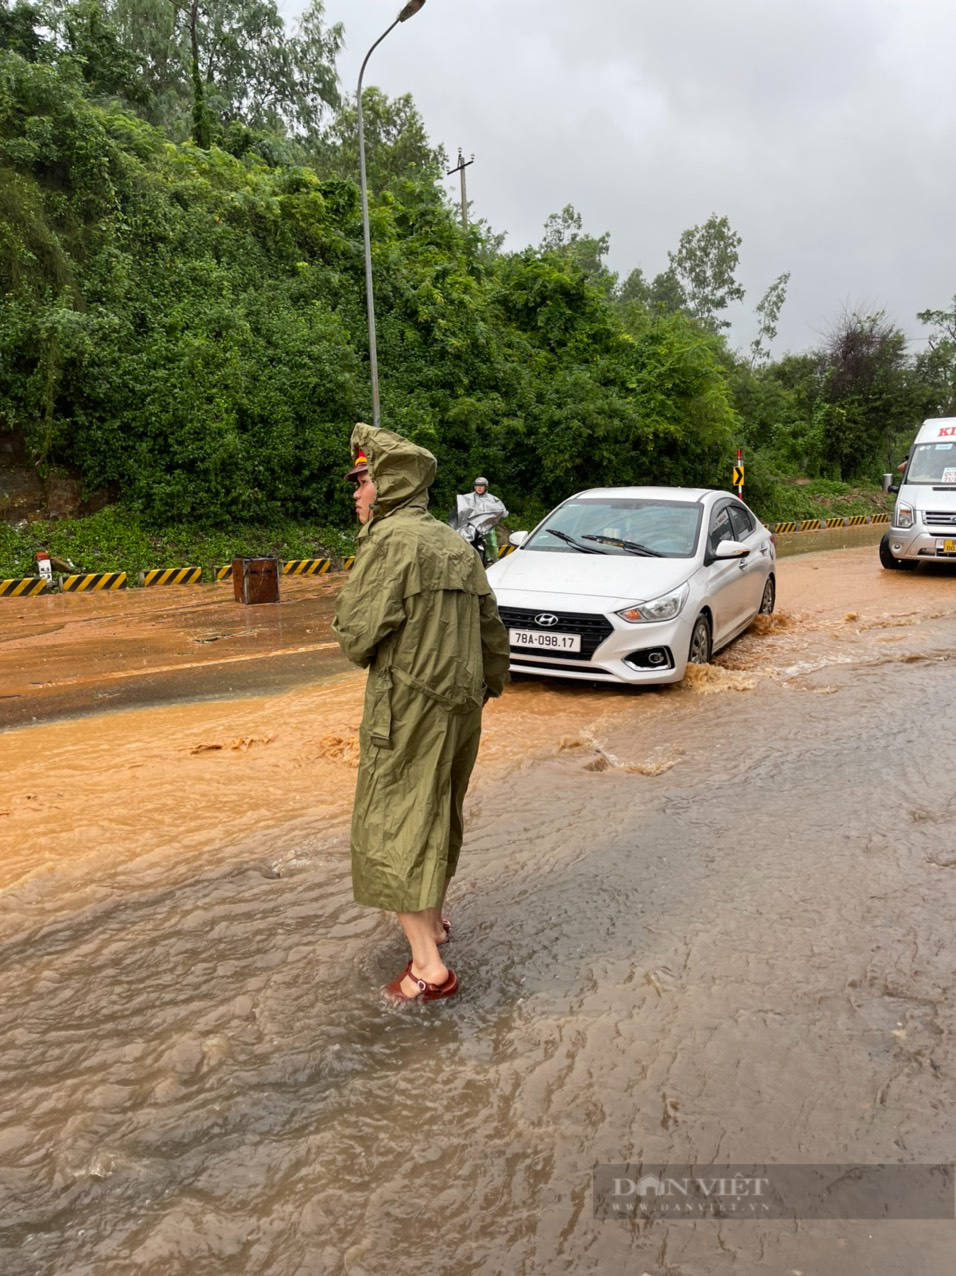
<point>632,584</point>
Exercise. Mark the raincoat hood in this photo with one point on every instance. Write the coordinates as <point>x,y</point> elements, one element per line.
<point>401,471</point>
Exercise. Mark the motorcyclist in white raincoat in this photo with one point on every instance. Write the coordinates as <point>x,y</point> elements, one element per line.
<point>482,511</point>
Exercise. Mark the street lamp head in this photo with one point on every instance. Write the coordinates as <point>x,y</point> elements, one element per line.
<point>410,10</point>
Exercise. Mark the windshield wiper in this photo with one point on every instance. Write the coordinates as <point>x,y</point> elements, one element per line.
<point>632,547</point>
<point>585,549</point>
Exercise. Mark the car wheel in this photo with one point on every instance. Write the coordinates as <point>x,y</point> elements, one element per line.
<point>769,597</point>
<point>700,642</point>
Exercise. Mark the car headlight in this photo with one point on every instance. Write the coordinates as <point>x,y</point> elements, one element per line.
<point>664,608</point>
<point>904,516</point>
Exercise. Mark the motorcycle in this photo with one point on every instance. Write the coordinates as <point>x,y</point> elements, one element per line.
<point>473,525</point>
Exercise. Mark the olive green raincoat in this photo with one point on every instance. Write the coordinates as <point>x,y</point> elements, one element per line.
<point>419,613</point>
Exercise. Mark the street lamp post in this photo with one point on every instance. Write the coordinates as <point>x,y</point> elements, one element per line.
<point>409,11</point>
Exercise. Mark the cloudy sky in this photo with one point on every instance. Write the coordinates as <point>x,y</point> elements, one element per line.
<point>825,130</point>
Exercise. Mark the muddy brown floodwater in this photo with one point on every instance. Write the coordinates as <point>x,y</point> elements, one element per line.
<point>706,924</point>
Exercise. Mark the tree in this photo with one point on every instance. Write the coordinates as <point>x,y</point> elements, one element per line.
<point>563,236</point>
<point>397,148</point>
<point>945,320</point>
<point>186,326</point>
<point>20,25</point>
<point>704,267</point>
<point>667,293</point>
<point>635,288</point>
<point>768,313</point>
<point>868,379</point>
<point>212,62</point>
<point>936,366</point>
<point>89,44</point>
<point>663,294</point>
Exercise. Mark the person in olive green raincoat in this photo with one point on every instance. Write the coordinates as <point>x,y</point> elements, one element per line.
<point>418,612</point>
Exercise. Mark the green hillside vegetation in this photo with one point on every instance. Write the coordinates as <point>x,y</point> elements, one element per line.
<point>182,323</point>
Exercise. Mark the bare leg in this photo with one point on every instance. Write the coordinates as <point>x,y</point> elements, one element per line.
<point>427,964</point>
<point>435,916</point>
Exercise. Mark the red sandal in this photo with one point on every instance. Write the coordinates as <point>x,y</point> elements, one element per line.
<point>426,991</point>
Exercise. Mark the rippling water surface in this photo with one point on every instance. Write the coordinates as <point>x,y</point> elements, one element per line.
<point>704,924</point>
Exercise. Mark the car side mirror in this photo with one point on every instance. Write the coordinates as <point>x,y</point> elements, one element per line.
<point>518,538</point>
<point>729,549</point>
<point>893,487</point>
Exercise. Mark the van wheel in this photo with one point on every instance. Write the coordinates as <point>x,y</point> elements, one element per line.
<point>769,597</point>
<point>891,563</point>
<point>699,653</point>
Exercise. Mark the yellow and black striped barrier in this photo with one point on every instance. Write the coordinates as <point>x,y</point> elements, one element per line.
<point>23,587</point>
<point>170,576</point>
<point>293,567</point>
<point>306,567</point>
<point>347,563</point>
<point>85,584</point>
<point>818,524</point>
<point>506,550</point>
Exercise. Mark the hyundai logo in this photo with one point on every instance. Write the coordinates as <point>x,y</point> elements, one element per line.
<point>545,619</point>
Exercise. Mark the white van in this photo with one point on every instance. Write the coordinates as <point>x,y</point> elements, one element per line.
<point>924,520</point>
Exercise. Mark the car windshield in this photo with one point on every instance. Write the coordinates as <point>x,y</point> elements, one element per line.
<point>932,463</point>
<point>665,529</point>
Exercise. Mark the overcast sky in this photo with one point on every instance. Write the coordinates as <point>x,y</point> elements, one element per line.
<point>825,130</point>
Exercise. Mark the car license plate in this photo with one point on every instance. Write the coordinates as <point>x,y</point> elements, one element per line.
<point>947,547</point>
<point>544,641</point>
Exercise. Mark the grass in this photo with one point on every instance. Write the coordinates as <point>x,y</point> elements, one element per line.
<point>821,498</point>
<point>116,539</point>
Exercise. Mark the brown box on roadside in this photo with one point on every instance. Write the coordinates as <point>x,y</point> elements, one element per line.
<point>255,580</point>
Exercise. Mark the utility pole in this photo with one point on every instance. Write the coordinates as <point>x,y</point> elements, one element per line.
<point>460,168</point>
<point>411,8</point>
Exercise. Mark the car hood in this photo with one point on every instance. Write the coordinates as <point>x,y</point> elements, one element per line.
<point>581,580</point>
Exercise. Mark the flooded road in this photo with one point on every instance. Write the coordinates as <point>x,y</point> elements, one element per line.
<point>706,924</point>
<point>68,654</point>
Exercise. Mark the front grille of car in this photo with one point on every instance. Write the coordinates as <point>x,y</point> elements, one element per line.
<point>939,518</point>
<point>593,629</point>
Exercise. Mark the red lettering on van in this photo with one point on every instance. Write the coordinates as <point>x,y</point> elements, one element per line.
<point>945,431</point>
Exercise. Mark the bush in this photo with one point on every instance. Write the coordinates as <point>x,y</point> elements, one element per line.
<point>116,539</point>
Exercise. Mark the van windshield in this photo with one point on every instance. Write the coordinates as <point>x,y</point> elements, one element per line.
<point>932,463</point>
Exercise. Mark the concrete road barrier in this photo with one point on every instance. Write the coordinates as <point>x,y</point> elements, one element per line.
<point>307,567</point>
<point>24,587</point>
<point>170,576</point>
<point>85,584</point>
